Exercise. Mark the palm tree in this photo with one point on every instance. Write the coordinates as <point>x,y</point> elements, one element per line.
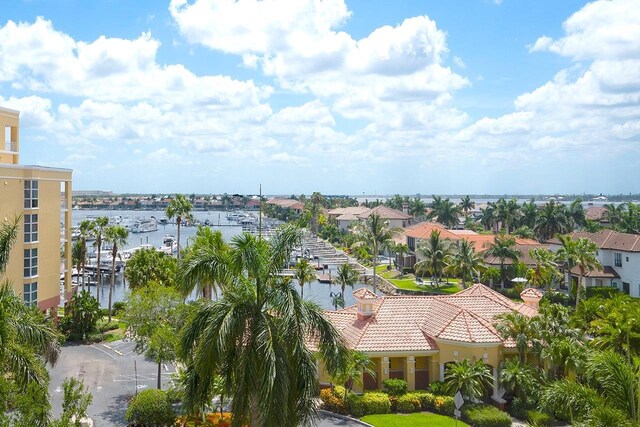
<point>517,327</point>
<point>417,208</point>
<point>551,220</point>
<point>504,248</point>
<point>465,262</point>
<point>27,340</point>
<point>529,214</point>
<point>629,219</point>
<point>98,227</point>
<point>78,257</point>
<point>400,249</point>
<point>586,260</point>
<point>576,215</point>
<point>117,236</point>
<point>444,211</point>
<point>85,228</point>
<point>303,272</point>
<point>373,233</point>
<point>356,365</point>
<point>545,268</point>
<point>255,336</point>
<point>179,208</point>
<point>205,267</point>
<point>507,213</point>
<point>347,275</point>
<point>435,252</point>
<point>519,379</point>
<point>466,205</point>
<point>488,217</point>
<point>614,212</point>
<point>469,378</point>
<point>566,255</point>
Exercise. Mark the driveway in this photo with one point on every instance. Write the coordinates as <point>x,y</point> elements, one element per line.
<point>113,372</point>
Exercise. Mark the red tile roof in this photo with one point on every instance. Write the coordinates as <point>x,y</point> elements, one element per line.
<point>415,323</point>
<point>596,213</point>
<point>607,272</point>
<point>384,212</point>
<point>423,230</point>
<point>609,239</point>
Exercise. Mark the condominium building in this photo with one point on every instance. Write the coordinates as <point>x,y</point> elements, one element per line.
<point>40,262</point>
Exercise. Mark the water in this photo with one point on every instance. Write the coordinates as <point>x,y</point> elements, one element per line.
<point>314,291</point>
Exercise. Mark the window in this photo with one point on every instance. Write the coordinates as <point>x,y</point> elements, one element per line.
<point>31,262</point>
<point>30,228</point>
<point>627,259</point>
<point>617,257</point>
<point>30,194</point>
<point>31,294</point>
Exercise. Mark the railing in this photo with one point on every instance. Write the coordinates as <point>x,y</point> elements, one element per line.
<point>63,203</point>
<point>11,146</point>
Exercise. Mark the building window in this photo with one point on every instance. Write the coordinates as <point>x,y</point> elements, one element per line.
<point>627,259</point>
<point>31,294</point>
<point>31,262</point>
<point>617,257</point>
<point>30,194</point>
<point>30,228</point>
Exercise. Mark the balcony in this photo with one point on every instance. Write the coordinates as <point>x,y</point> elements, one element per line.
<point>63,204</point>
<point>10,147</point>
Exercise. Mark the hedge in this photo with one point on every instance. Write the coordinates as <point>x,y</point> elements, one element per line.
<point>333,402</point>
<point>443,405</point>
<point>368,404</point>
<point>539,419</point>
<point>150,408</point>
<point>394,386</point>
<point>481,415</point>
<point>605,292</point>
<point>409,402</point>
<point>438,388</point>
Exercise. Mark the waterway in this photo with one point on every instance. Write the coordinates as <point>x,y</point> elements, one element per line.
<point>320,293</point>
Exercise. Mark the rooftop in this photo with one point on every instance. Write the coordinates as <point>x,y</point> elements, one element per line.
<point>608,239</point>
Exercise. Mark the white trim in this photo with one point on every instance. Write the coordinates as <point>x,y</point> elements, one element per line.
<point>494,344</point>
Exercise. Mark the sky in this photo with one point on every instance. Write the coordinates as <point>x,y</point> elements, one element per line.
<point>336,96</point>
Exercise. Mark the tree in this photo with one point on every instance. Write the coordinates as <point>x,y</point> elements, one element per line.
<point>507,212</point>
<point>400,249</point>
<point>205,267</point>
<point>356,365</point>
<point>517,327</point>
<point>546,268</point>
<point>85,228</point>
<point>435,252</point>
<point>614,212</point>
<point>303,272</point>
<point>551,220</point>
<point>78,256</point>
<point>466,205</point>
<point>575,214</point>
<point>522,381</point>
<point>154,315</point>
<point>468,377</point>
<point>81,315</point>
<point>374,233</point>
<point>117,236</point>
<point>488,217</point>
<point>150,265</point>
<point>180,209</point>
<point>417,208</point>
<point>347,275</point>
<point>97,230</point>
<point>444,211</point>
<point>254,337</point>
<point>566,255</point>
<point>529,214</point>
<point>464,262</point>
<point>504,248</point>
<point>27,340</point>
<point>75,403</point>
<point>586,260</point>
<point>629,219</point>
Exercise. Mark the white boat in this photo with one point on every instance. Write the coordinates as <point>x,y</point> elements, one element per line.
<point>145,226</point>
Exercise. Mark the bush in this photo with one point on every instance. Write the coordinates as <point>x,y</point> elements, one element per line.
<point>407,270</point>
<point>485,416</point>
<point>332,402</point>
<point>518,408</point>
<point>394,386</point>
<point>368,404</point>
<point>444,405</point>
<point>409,402</point>
<point>605,292</point>
<point>117,307</point>
<point>539,419</point>
<point>558,298</point>
<point>438,388</point>
<point>81,315</point>
<point>150,408</point>
<point>104,326</point>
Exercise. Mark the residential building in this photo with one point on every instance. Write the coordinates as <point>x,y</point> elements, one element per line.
<point>619,255</point>
<point>395,218</point>
<point>41,197</point>
<point>344,218</point>
<point>293,204</point>
<point>415,337</point>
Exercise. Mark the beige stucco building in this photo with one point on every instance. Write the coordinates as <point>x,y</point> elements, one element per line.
<point>40,261</point>
<point>415,337</point>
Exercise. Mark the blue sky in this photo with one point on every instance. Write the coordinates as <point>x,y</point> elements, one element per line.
<point>337,96</point>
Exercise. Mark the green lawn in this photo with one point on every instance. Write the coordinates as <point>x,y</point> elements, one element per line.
<point>409,282</point>
<point>408,420</point>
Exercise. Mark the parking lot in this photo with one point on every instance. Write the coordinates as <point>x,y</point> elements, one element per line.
<point>113,372</point>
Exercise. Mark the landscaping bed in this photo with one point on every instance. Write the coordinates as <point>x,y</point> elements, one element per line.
<point>409,420</point>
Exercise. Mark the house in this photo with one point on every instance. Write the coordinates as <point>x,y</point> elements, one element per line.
<point>344,218</point>
<point>395,218</point>
<point>523,246</point>
<point>619,255</point>
<point>40,261</point>
<point>415,337</point>
<point>293,204</point>
<point>597,213</point>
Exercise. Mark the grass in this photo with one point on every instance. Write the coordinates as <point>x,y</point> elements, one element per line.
<point>421,419</point>
<point>408,282</point>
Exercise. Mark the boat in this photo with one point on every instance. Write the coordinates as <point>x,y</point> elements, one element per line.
<point>163,221</point>
<point>145,226</point>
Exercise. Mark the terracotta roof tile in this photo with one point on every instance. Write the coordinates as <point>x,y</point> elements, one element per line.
<point>608,239</point>
<point>384,212</point>
<point>364,293</point>
<point>531,293</point>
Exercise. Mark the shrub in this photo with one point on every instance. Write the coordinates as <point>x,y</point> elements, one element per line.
<point>444,405</point>
<point>150,408</point>
<point>104,326</point>
<point>539,419</point>
<point>331,402</point>
<point>438,388</point>
<point>558,298</point>
<point>481,415</point>
<point>427,401</point>
<point>117,307</point>
<point>518,408</point>
<point>605,292</point>
<point>368,404</point>
<point>394,386</point>
<point>409,402</point>
<point>81,315</point>
<point>407,270</point>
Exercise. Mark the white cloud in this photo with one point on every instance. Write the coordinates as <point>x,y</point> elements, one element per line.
<point>34,110</point>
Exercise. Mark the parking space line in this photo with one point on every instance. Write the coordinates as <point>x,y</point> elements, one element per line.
<point>105,352</point>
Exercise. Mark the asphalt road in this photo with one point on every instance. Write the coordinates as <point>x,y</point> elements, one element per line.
<point>109,372</point>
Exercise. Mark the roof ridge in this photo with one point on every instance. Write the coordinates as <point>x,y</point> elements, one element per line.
<point>367,323</point>
<point>466,324</point>
<point>450,320</point>
<point>484,322</point>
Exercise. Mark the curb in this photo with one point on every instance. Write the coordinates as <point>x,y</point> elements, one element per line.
<point>344,417</point>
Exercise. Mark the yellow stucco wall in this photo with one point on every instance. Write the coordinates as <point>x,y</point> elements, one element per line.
<point>451,352</point>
